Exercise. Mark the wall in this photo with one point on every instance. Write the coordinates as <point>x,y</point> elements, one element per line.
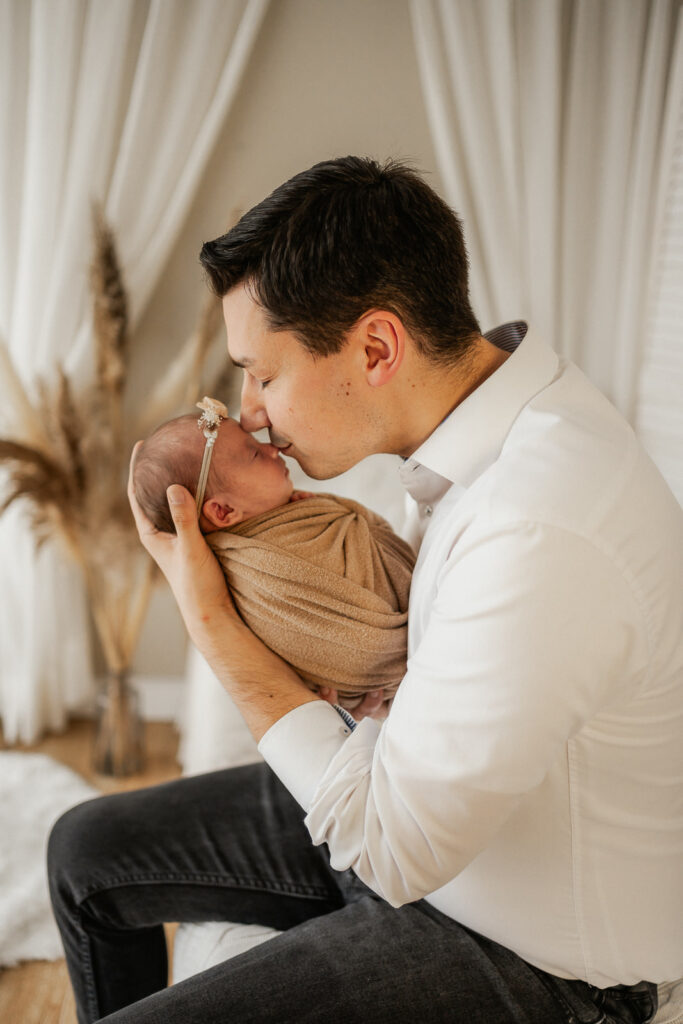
<point>327,78</point>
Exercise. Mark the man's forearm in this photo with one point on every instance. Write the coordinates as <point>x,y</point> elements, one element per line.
<point>262,685</point>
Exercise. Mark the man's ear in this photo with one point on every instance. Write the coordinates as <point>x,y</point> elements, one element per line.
<point>383,337</point>
<point>219,514</point>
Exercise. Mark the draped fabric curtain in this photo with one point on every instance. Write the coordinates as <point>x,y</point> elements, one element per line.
<point>120,102</point>
<point>548,118</point>
<point>659,408</point>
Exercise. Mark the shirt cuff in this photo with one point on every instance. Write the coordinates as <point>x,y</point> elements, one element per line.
<point>300,746</point>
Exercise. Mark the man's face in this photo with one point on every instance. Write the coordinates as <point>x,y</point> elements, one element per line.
<point>315,410</point>
<point>248,476</point>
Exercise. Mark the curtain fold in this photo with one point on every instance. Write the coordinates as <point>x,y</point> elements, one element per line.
<point>121,102</point>
<point>547,118</point>
<point>659,408</point>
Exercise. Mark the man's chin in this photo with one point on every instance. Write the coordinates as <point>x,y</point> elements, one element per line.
<point>316,471</point>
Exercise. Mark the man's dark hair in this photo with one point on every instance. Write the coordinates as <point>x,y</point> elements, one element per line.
<point>344,237</point>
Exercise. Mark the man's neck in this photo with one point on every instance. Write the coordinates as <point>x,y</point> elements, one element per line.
<point>443,390</point>
<point>488,359</point>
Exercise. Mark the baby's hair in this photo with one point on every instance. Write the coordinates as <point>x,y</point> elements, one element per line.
<point>166,458</point>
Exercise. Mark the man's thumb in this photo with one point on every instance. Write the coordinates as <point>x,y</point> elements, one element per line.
<point>179,504</point>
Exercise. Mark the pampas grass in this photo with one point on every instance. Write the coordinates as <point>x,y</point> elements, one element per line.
<point>180,385</point>
<point>67,459</point>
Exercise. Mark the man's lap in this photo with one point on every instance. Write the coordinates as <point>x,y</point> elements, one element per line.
<point>232,845</point>
<point>190,848</point>
<point>367,963</point>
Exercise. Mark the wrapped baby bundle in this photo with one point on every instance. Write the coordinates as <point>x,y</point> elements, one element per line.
<point>324,582</point>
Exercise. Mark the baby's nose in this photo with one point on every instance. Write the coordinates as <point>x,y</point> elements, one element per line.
<point>270,449</point>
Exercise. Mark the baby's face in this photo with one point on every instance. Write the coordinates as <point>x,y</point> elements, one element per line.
<point>246,476</point>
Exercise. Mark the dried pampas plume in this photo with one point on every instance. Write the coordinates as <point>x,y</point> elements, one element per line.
<point>110,337</point>
<point>181,384</point>
<point>38,477</point>
<point>110,309</point>
<point>67,460</point>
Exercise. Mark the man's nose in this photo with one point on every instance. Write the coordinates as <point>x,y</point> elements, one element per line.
<point>253,414</point>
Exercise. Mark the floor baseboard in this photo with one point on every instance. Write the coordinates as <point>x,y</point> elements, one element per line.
<point>161,697</point>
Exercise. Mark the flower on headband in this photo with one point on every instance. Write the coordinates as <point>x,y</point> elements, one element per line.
<point>213,412</point>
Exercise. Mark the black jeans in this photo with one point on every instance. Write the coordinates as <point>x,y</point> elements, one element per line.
<point>232,846</point>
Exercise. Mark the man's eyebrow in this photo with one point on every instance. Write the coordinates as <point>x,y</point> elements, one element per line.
<point>244,362</point>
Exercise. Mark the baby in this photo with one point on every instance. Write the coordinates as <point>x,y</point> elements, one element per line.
<point>323,581</point>
<point>244,479</point>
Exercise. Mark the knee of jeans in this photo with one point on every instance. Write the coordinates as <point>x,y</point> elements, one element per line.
<point>75,844</point>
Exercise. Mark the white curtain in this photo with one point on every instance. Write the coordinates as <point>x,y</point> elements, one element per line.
<point>547,118</point>
<point>117,101</point>
<point>659,409</point>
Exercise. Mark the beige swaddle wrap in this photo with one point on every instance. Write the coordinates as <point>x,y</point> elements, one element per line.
<point>324,582</point>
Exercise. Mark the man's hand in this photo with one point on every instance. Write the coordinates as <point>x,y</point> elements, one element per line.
<point>263,686</point>
<point>185,559</point>
<point>373,705</point>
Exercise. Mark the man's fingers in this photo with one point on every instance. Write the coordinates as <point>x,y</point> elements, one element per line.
<point>183,509</point>
<point>144,526</point>
<point>131,466</point>
<point>370,704</point>
<point>372,700</point>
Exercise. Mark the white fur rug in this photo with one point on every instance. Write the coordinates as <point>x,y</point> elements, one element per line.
<point>34,791</point>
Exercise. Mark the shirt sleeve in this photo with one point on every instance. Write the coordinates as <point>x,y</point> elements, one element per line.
<point>531,631</point>
<point>301,744</point>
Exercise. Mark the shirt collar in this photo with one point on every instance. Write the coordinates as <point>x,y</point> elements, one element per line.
<point>470,438</point>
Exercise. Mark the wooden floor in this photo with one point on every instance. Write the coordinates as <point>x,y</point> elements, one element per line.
<point>38,992</point>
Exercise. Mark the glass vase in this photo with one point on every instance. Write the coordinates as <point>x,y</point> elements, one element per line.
<point>118,728</point>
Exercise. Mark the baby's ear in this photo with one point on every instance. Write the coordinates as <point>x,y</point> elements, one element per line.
<point>219,514</point>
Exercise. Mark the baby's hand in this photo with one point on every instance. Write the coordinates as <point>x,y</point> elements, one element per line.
<point>298,495</point>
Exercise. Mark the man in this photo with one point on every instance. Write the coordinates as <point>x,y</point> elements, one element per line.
<point>506,845</point>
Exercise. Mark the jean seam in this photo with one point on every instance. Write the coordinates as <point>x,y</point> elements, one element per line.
<point>232,881</point>
<point>567,1009</point>
<point>90,986</point>
<point>238,881</point>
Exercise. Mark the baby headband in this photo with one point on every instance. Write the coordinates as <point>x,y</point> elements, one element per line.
<point>213,412</point>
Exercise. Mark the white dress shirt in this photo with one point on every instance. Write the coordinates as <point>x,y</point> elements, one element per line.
<point>528,780</point>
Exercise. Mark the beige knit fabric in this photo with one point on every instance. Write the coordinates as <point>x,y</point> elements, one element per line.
<point>324,582</point>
